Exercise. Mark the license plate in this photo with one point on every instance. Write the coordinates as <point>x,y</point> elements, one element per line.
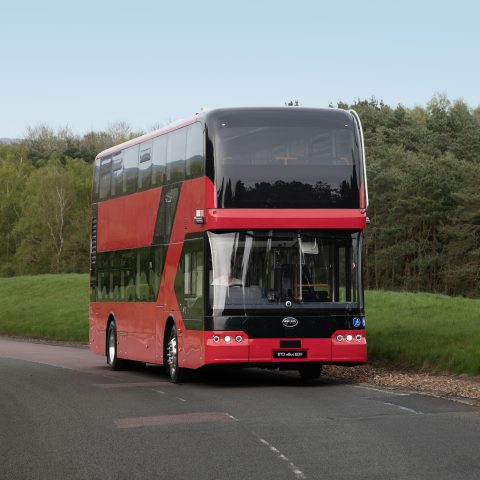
<point>291,354</point>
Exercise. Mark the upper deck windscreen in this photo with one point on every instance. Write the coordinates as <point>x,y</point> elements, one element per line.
<point>286,158</point>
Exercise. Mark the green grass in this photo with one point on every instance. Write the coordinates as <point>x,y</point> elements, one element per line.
<point>45,306</point>
<point>404,330</point>
<point>423,330</point>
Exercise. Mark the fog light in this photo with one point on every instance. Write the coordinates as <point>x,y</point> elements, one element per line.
<point>349,338</point>
<point>340,338</point>
<point>228,338</point>
<point>358,338</point>
<point>238,338</point>
<point>216,338</point>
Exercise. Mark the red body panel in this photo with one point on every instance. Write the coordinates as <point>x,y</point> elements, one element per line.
<point>136,329</point>
<point>260,350</point>
<point>127,222</point>
<point>245,218</point>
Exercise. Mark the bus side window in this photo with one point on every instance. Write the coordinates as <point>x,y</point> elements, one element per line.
<point>96,181</point>
<point>156,269</point>
<point>105,177</point>
<point>117,175</point>
<point>195,157</point>
<point>130,169</point>
<point>143,289</point>
<point>189,279</point>
<point>176,155</point>
<point>145,166</point>
<point>159,160</point>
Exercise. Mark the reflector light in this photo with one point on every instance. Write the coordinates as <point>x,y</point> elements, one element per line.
<point>340,338</point>
<point>228,338</point>
<point>349,338</point>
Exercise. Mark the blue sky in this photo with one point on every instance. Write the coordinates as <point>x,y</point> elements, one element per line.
<point>88,64</point>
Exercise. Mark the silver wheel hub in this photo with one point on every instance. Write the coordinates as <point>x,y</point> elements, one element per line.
<point>111,347</point>
<point>172,354</point>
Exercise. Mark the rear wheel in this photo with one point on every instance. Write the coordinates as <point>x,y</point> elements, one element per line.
<point>177,374</point>
<point>310,372</point>
<point>113,361</point>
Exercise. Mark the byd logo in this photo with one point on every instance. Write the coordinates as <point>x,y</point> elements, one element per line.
<point>290,322</point>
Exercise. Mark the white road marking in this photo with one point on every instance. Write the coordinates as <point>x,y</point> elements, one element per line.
<point>390,392</point>
<point>181,399</point>
<point>296,471</point>
<point>158,391</point>
<point>406,409</point>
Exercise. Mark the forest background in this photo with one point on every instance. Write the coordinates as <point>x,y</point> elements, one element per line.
<point>423,168</point>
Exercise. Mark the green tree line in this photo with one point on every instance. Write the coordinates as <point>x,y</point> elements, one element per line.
<point>423,167</point>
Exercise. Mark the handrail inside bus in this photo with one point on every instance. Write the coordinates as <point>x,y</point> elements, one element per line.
<point>357,118</point>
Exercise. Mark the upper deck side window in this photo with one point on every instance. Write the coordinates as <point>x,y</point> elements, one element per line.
<point>167,159</point>
<point>145,166</point>
<point>105,176</point>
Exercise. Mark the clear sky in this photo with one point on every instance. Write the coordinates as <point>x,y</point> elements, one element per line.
<point>87,64</point>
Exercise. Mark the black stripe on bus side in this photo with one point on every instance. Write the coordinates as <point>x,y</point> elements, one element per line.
<point>166,213</point>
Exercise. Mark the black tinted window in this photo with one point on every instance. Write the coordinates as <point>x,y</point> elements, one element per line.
<point>130,165</point>
<point>286,160</point>
<point>176,155</point>
<point>105,177</point>
<point>96,181</point>
<point>117,175</point>
<point>145,166</point>
<point>159,160</point>
<point>195,166</point>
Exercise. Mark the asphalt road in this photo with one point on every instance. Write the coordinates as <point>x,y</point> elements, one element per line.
<point>65,415</point>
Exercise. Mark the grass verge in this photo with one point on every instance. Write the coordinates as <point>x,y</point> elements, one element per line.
<point>404,330</point>
<point>424,330</point>
<point>45,306</point>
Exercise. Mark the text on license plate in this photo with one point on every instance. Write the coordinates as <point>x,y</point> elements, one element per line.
<point>289,354</point>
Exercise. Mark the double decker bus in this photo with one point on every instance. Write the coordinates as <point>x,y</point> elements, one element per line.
<point>232,238</point>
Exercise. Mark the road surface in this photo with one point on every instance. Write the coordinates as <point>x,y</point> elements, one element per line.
<point>65,415</point>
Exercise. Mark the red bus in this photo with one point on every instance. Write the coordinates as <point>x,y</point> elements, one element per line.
<point>232,238</point>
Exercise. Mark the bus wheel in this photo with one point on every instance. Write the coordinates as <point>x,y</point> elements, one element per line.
<point>113,361</point>
<point>310,372</point>
<point>177,374</point>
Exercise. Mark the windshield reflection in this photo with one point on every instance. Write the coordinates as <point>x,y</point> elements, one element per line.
<point>258,269</point>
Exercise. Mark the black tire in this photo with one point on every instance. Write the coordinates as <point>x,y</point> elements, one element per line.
<point>310,371</point>
<point>113,361</point>
<point>177,374</point>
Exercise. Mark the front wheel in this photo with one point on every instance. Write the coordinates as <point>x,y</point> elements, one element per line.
<point>177,374</point>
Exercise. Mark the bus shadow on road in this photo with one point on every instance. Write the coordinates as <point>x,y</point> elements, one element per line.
<point>231,376</point>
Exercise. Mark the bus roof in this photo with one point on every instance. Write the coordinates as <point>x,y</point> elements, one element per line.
<point>211,114</point>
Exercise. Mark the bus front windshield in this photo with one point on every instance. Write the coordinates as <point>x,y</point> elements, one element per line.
<point>257,270</point>
<point>292,159</point>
